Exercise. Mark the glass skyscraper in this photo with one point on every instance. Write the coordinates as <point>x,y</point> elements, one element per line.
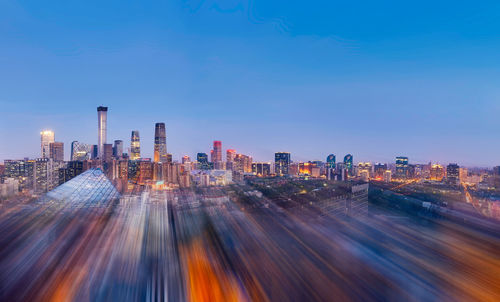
<point>281,163</point>
<point>160,146</point>
<point>135,145</point>
<point>102,120</point>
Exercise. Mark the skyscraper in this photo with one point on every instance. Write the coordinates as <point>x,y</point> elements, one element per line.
<point>202,159</point>
<point>102,118</point>
<point>281,163</point>
<point>216,155</point>
<point>452,173</point>
<point>47,137</point>
<point>107,154</point>
<point>330,161</point>
<point>56,151</point>
<point>160,146</point>
<point>401,167</point>
<point>135,145</point>
<point>80,151</point>
<point>118,149</point>
<point>230,156</point>
<point>348,164</point>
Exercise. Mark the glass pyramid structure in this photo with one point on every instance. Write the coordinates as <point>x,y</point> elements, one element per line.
<point>89,189</point>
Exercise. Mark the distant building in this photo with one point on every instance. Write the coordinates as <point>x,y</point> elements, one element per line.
<point>135,145</point>
<point>212,177</point>
<point>217,155</point>
<point>452,174</point>
<point>230,155</point>
<point>388,176</point>
<point>186,159</point>
<point>118,149</point>
<point>437,172</point>
<point>102,120</point>
<point>107,152</point>
<point>261,169</point>
<point>80,151</point>
<point>401,167</point>
<point>47,137</point>
<point>348,164</point>
<point>379,170</point>
<point>365,170</point>
<point>56,151</point>
<point>203,163</point>
<point>282,162</point>
<point>160,145</point>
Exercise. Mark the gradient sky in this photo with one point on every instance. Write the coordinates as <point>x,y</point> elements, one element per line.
<point>373,78</point>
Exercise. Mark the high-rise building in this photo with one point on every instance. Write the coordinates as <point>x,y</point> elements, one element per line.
<point>43,175</point>
<point>118,149</point>
<point>102,120</point>
<point>401,167</point>
<point>107,155</point>
<point>348,164</point>
<point>135,145</point>
<point>452,173</point>
<point>379,170</point>
<point>230,156</point>
<point>160,146</point>
<point>437,172</point>
<point>80,151</point>
<point>217,155</point>
<point>56,151</point>
<point>261,169</point>
<point>47,137</point>
<point>186,159</point>
<point>282,162</point>
<point>388,176</point>
<point>94,152</point>
<point>365,170</point>
<point>202,159</point>
<point>330,161</point>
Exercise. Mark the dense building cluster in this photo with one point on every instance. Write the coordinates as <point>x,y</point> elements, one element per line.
<point>129,169</point>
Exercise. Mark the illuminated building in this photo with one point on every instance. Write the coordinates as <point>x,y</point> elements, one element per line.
<point>43,175</point>
<point>330,161</point>
<point>348,164</point>
<point>217,155</point>
<point>47,137</point>
<point>80,151</point>
<point>230,155</point>
<point>73,169</point>
<point>401,167</point>
<point>379,170</point>
<point>22,170</point>
<point>261,169</point>
<point>212,177</point>
<point>305,168</point>
<point>56,151</point>
<point>160,145</point>
<point>135,145</point>
<point>282,162</point>
<point>202,159</point>
<point>242,163</point>
<point>102,119</point>
<point>186,159</point>
<point>452,173</point>
<point>437,172</point>
<point>388,176</point>
<point>462,174</point>
<point>118,149</point>
<point>365,170</point>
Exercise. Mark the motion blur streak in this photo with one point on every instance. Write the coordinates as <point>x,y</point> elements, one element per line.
<point>84,242</point>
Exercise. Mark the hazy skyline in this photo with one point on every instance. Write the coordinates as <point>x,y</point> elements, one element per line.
<point>374,80</point>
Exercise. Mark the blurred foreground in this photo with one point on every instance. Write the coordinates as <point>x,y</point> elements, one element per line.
<point>84,242</point>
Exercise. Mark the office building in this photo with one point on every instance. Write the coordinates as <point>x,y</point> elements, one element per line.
<point>203,163</point>
<point>80,151</point>
<point>47,137</point>
<point>379,170</point>
<point>102,119</point>
<point>330,161</point>
<point>118,149</point>
<point>282,162</point>
<point>135,145</point>
<point>453,174</point>
<point>437,172</point>
<point>261,169</point>
<point>348,164</point>
<point>107,155</point>
<point>56,151</point>
<point>401,167</point>
<point>160,145</point>
<point>388,176</point>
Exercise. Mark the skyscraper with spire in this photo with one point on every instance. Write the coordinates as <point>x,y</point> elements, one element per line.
<point>102,120</point>
<point>160,146</point>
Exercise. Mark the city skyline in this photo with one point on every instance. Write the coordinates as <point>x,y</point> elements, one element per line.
<point>377,82</point>
<point>145,153</point>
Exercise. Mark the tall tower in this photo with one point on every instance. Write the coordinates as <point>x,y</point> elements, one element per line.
<point>282,162</point>
<point>135,145</point>
<point>47,137</point>
<point>160,147</point>
<point>102,120</point>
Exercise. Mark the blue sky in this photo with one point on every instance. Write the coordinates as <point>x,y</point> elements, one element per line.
<point>373,78</point>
